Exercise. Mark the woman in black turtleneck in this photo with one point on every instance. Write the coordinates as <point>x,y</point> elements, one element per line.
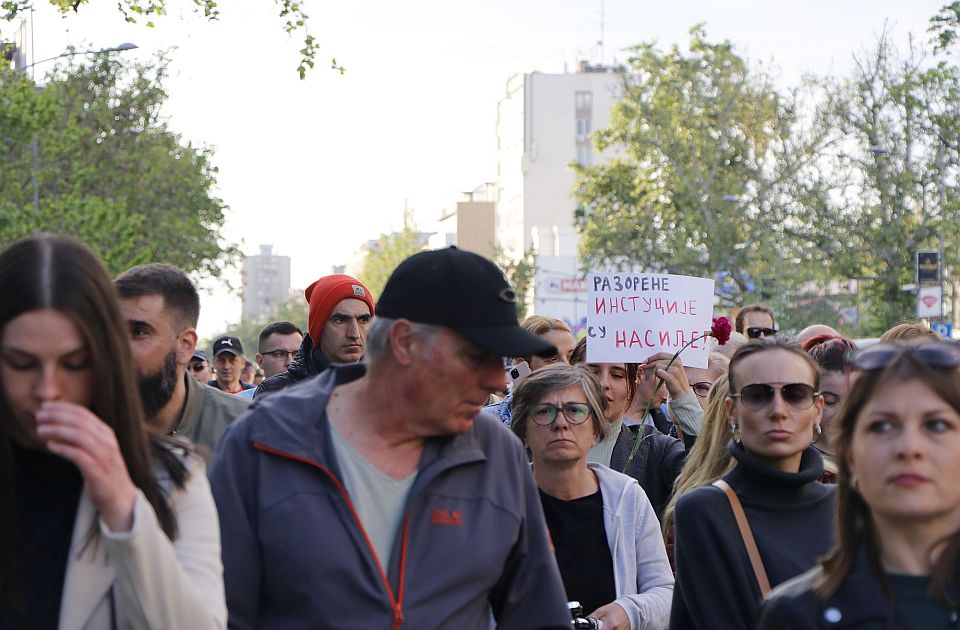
<point>774,412</point>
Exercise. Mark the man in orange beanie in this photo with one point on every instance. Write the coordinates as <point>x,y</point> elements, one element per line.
<point>340,311</point>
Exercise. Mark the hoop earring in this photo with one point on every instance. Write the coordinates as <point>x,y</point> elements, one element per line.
<point>817,433</point>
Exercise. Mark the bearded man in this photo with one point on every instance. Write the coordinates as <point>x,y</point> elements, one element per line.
<point>161,307</point>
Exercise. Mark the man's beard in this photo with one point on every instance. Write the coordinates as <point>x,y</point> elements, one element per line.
<point>156,389</point>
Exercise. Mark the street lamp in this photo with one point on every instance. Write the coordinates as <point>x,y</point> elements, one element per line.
<point>72,53</point>
<point>33,145</point>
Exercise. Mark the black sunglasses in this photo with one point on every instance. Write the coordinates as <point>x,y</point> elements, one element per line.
<point>197,367</point>
<point>756,396</point>
<point>939,354</point>
<point>755,332</point>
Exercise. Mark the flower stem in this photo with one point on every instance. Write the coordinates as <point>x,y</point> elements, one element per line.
<point>653,395</point>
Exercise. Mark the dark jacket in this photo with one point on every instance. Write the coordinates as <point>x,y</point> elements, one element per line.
<point>858,604</point>
<point>207,413</point>
<point>791,517</point>
<point>655,466</point>
<point>308,362</point>
<point>473,545</point>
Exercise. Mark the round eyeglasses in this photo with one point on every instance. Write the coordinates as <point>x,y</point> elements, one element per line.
<point>545,414</point>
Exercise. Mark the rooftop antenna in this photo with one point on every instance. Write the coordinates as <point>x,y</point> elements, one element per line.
<point>603,28</point>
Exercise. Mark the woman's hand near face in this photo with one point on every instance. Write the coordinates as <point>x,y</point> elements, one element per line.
<point>613,617</point>
<point>76,434</point>
<point>675,378</point>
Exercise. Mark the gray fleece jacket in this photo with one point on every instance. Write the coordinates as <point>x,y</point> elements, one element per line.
<point>641,571</point>
<point>472,549</point>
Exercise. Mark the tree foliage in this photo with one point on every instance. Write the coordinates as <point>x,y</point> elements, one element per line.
<point>520,273</point>
<point>702,151</point>
<point>290,12</point>
<point>713,172</point>
<point>295,310</point>
<point>885,179</point>
<point>105,167</point>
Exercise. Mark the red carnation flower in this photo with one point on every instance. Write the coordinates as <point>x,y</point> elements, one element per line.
<point>721,330</point>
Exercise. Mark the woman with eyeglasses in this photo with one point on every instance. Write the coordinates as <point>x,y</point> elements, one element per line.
<point>897,559</point>
<point>104,524</point>
<point>832,354</point>
<point>764,521</point>
<point>603,528</point>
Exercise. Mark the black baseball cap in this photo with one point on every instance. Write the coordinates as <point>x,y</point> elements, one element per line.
<point>227,344</point>
<point>464,292</point>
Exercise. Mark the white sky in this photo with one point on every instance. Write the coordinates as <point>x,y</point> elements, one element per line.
<point>317,167</point>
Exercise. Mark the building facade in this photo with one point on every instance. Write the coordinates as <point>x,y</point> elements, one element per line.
<point>544,124</point>
<point>266,283</point>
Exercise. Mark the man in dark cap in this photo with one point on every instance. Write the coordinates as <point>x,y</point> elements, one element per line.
<point>229,362</point>
<point>427,508</point>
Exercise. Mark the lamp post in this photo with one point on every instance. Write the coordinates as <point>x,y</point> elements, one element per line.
<point>34,149</point>
<point>72,53</point>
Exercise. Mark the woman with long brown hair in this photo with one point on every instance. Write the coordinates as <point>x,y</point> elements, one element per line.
<point>897,559</point>
<point>104,525</point>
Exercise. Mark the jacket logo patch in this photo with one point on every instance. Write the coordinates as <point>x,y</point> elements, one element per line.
<point>446,517</point>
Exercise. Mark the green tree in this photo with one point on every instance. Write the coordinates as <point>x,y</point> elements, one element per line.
<point>295,310</point>
<point>884,194</point>
<point>702,155</point>
<point>388,251</point>
<point>290,12</point>
<point>106,168</point>
<point>520,273</point>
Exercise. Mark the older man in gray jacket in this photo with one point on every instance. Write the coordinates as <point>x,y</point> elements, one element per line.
<point>377,496</point>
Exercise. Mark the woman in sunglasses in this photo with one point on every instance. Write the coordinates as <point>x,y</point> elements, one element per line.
<point>104,525</point>
<point>898,501</point>
<point>605,533</point>
<point>771,496</point>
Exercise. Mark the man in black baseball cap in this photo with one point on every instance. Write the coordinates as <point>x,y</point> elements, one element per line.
<point>228,360</point>
<point>412,478</point>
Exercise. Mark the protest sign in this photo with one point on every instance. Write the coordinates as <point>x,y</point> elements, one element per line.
<point>634,315</point>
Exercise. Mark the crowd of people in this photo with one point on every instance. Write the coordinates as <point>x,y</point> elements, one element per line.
<point>419,459</point>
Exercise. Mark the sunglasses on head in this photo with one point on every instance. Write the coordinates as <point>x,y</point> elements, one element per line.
<point>939,354</point>
<point>754,332</point>
<point>756,396</point>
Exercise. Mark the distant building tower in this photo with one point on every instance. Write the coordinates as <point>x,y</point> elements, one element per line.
<point>266,283</point>
<point>544,123</point>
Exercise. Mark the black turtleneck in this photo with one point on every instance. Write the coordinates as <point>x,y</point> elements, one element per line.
<point>791,517</point>
<point>47,493</point>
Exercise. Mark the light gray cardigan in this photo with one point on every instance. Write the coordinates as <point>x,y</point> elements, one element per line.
<point>641,572</point>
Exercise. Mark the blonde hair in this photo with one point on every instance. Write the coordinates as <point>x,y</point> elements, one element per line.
<point>709,458</point>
